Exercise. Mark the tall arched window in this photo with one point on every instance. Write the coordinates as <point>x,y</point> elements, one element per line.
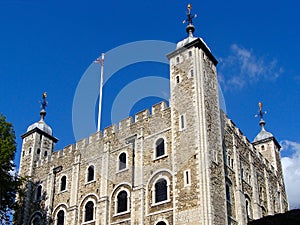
<point>122,161</point>
<point>161,190</point>
<point>89,211</point>
<point>122,204</point>
<point>228,200</point>
<point>160,147</point>
<point>60,218</point>
<point>90,175</point>
<point>63,183</point>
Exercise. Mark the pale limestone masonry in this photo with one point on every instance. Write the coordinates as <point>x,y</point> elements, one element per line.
<point>213,174</point>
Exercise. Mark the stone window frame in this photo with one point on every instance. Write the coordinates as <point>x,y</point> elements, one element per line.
<point>248,207</point>
<point>118,162</point>
<point>155,157</point>
<point>84,211</point>
<point>229,198</point>
<point>153,190</point>
<point>60,183</point>
<point>87,181</point>
<point>116,213</point>
<point>56,215</point>
<point>187,178</point>
<point>182,122</point>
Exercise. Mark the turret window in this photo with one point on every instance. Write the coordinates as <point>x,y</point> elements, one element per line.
<point>182,122</point>
<point>187,178</point>
<point>45,153</point>
<point>160,147</point>
<point>90,174</point>
<point>63,183</point>
<point>122,161</point>
<point>38,151</point>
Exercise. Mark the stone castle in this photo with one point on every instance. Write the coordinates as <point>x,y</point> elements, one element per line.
<point>186,163</point>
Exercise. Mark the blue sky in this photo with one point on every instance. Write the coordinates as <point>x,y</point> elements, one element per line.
<point>48,46</point>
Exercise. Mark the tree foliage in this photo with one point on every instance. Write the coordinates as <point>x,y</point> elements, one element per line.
<point>9,181</point>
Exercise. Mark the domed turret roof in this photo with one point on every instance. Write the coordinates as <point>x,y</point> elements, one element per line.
<point>42,126</point>
<point>263,134</point>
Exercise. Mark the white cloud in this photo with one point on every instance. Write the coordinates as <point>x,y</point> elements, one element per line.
<point>291,171</point>
<point>243,66</point>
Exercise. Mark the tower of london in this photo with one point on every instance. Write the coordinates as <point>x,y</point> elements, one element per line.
<point>182,163</point>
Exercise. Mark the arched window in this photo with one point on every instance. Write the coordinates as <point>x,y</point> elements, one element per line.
<point>90,175</point>
<point>161,223</point>
<point>39,193</point>
<point>89,211</point>
<point>45,153</point>
<point>38,151</point>
<point>122,204</point>
<point>228,201</point>
<point>122,161</point>
<point>161,190</point>
<point>63,183</point>
<point>160,147</point>
<point>248,207</point>
<point>60,218</point>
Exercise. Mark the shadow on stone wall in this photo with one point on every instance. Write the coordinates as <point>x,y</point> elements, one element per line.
<point>289,218</point>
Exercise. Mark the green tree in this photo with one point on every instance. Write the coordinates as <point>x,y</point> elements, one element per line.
<point>9,181</point>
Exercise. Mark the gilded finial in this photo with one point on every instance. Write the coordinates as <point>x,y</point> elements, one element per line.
<point>190,27</point>
<point>261,114</point>
<point>44,103</point>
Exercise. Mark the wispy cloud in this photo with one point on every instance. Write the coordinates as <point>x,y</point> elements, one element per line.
<point>291,171</point>
<point>242,66</point>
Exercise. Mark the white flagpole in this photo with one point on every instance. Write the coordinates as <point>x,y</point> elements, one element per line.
<point>100,89</point>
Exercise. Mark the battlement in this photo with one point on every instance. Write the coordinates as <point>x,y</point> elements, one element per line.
<point>124,126</point>
<point>249,145</point>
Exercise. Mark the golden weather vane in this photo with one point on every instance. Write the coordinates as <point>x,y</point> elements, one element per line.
<point>190,17</point>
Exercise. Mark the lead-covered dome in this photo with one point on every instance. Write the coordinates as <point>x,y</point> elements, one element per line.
<point>42,126</point>
<point>263,134</point>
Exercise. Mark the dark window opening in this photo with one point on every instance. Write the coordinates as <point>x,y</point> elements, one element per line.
<point>122,202</point>
<point>160,147</point>
<point>90,173</point>
<point>89,211</point>
<point>61,217</point>
<point>39,193</point>
<point>122,161</point>
<point>161,223</point>
<point>161,190</point>
<point>63,183</point>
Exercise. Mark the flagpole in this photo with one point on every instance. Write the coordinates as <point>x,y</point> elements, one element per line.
<point>100,89</point>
